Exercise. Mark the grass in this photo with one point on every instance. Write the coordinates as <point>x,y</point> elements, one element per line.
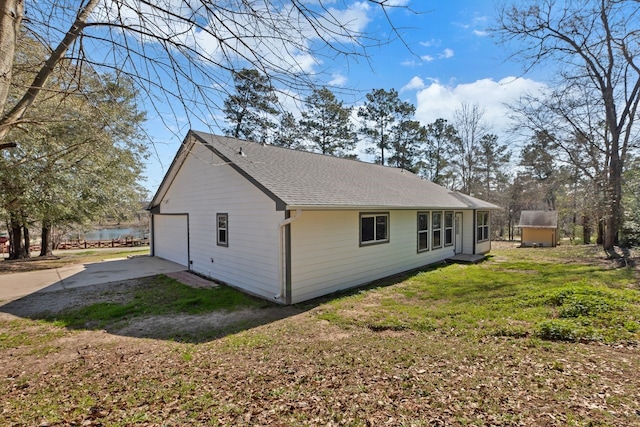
<point>516,297</point>
<point>64,258</point>
<point>19,333</point>
<point>163,296</point>
<point>531,337</point>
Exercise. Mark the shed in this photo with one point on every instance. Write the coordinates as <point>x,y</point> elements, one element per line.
<point>539,228</point>
<point>290,225</point>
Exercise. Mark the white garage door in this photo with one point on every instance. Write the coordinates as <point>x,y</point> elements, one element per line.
<point>171,238</point>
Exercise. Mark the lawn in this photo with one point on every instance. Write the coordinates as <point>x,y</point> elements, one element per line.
<point>68,257</point>
<point>529,337</point>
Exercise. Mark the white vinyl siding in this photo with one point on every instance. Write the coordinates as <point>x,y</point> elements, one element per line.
<point>326,255</point>
<point>205,186</point>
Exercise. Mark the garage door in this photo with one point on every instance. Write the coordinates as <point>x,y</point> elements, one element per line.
<point>171,238</point>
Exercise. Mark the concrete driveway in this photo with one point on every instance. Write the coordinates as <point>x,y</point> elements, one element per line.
<point>17,285</point>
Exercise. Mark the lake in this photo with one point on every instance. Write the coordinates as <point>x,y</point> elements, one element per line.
<point>110,234</point>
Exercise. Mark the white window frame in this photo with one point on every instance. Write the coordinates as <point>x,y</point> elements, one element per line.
<point>434,229</point>
<point>375,216</point>
<point>482,226</point>
<point>423,231</point>
<point>219,241</point>
<point>448,228</point>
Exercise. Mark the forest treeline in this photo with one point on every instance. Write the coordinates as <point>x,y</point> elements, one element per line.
<point>462,153</point>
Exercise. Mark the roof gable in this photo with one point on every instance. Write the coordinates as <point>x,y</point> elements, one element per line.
<point>300,179</point>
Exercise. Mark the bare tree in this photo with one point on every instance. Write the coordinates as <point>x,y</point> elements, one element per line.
<point>593,45</point>
<point>181,54</point>
<point>465,149</point>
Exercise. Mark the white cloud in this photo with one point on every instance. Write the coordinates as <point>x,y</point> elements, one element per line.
<point>430,43</point>
<point>337,80</point>
<point>396,3</point>
<point>414,84</point>
<point>447,53</point>
<point>480,33</point>
<point>427,58</point>
<point>438,100</point>
<point>411,63</point>
<point>337,22</point>
<point>275,36</point>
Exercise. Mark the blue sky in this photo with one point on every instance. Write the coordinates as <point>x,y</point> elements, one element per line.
<point>452,59</point>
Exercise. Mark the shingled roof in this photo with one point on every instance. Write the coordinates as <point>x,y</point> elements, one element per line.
<point>538,219</point>
<point>300,179</point>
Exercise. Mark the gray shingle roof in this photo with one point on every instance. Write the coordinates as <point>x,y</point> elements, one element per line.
<point>302,179</point>
<point>538,219</point>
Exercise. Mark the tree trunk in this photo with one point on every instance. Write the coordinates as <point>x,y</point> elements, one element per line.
<point>46,247</point>
<point>586,230</point>
<point>11,12</point>
<point>27,241</point>
<point>600,238</point>
<point>17,250</point>
<point>11,16</point>
<point>615,195</point>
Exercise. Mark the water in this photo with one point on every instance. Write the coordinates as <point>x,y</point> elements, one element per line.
<point>110,234</point>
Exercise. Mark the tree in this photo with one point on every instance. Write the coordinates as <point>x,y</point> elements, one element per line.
<point>492,161</point>
<point>631,199</point>
<point>538,158</point>
<point>464,152</point>
<point>593,46</point>
<point>288,135</point>
<point>181,57</point>
<point>407,139</point>
<point>380,112</point>
<point>251,109</point>
<point>326,123</point>
<point>79,155</point>
<point>440,138</point>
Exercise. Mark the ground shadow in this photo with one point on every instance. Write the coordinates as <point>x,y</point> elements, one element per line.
<point>114,308</point>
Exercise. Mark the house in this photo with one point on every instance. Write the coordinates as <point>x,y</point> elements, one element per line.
<point>539,228</point>
<point>291,225</point>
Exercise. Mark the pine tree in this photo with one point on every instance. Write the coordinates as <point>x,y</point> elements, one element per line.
<point>326,124</point>
<point>251,110</point>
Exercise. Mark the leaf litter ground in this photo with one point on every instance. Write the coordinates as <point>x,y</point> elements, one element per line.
<point>288,366</point>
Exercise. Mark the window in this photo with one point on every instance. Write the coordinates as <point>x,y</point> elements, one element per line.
<point>448,228</point>
<point>374,228</point>
<point>482,224</point>
<point>436,230</point>
<point>423,231</point>
<point>222,220</point>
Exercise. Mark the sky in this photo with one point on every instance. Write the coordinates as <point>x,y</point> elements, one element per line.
<point>446,56</point>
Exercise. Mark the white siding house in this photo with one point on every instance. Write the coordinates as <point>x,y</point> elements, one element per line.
<point>290,225</point>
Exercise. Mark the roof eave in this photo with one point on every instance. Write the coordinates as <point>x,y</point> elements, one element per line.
<point>327,207</point>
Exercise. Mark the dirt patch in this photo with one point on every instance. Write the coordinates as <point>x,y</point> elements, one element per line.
<point>41,304</point>
<point>198,327</point>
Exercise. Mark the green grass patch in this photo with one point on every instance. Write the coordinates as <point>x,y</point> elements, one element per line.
<point>527,293</point>
<point>161,296</point>
<point>23,332</point>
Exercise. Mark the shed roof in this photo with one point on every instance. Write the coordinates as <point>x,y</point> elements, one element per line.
<point>538,219</point>
<point>300,179</point>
